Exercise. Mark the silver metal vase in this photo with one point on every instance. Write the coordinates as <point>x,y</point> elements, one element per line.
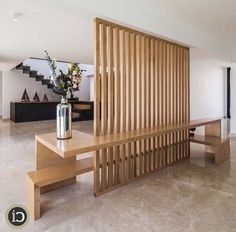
<point>64,120</point>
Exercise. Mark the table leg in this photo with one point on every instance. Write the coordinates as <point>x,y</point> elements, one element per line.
<point>47,158</point>
<point>221,150</point>
<point>213,129</point>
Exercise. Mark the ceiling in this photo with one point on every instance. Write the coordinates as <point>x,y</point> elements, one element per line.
<point>65,27</point>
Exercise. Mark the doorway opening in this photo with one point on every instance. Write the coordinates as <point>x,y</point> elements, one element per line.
<point>228,93</point>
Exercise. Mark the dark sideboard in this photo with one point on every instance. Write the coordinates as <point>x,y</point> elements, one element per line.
<point>37,111</point>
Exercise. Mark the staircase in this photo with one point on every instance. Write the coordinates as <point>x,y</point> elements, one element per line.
<point>34,74</point>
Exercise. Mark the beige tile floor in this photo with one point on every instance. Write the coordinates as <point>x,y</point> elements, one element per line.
<point>194,195</point>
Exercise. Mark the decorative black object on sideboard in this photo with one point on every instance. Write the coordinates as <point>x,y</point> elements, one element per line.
<point>36,111</point>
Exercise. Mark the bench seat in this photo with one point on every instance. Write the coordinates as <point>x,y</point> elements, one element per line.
<point>220,147</point>
<point>54,174</point>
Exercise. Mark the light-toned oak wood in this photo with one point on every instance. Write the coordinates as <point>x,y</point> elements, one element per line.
<point>54,174</point>
<point>81,107</point>
<point>213,129</point>
<point>57,185</point>
<point>121,27</point>
<point>97,78</point>
<point>150,89</point>
<point>45,158</point>
<point>220,147</point>
<point>222,152</point>
<point>82,143</point>
<point>33,198</point>
<point>206,140</point>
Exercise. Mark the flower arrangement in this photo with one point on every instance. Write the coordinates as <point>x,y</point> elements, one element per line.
<point>65,84</point>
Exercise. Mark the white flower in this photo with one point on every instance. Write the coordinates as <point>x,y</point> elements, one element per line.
<point>69,66</point>
<point>74,73</point>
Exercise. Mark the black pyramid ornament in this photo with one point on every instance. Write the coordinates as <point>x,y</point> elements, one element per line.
<point>25,97</point>
<point>36,97</point>
<point>45,98</point>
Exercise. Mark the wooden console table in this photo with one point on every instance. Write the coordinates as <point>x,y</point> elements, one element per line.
<point>56,163</point>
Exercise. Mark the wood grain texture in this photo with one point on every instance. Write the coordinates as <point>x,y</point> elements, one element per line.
<point>150,88</point>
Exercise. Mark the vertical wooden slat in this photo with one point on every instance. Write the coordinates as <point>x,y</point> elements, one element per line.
<point>104,101</point>
<point>110,81</point>
<point>128,100</point>
<point>146,82</point>
<point>117,100</point>
<point>188,96</point>
<point>110,103</point>
<point>184,105</point>
<point>171,102</point>
<point>148,149</point>
<point>156,102</point>
<point>186,100</point>
<point>123,100</point>
<point>160,96</point>
<point>142,100</point>
<point>174,102</point>
<point>97,79</point>
<point>178,100</point>
<point>164,109</point>
<point>139,99</point>
<point>167,116</point>
<point>181,101</point>
<point>152,102</point>
<point>96,104</point>
<point>133,102</point>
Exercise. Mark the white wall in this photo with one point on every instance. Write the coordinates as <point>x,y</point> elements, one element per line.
<point>206,85</point>
<point>91,88</point>
<point>0,93</point>
<point>233,98</point>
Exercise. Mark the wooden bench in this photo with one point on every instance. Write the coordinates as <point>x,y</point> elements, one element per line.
<point>218,146</point>
<point>44,177</point>
<point>57,166</point>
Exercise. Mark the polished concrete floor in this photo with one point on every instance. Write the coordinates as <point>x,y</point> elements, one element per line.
<point>194,195</point>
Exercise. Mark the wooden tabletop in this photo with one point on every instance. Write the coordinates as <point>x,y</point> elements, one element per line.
<point>82,142</point>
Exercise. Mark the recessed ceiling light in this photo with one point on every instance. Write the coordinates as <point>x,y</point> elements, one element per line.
<point>16,16</point>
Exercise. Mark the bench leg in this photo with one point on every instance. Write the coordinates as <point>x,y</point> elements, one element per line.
<point>47,158</point>
<point>33,199</point>
<point>222,152</point>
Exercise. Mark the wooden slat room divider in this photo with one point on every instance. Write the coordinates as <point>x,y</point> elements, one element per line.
<point>140,81</point>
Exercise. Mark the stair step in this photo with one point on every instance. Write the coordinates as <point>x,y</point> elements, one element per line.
<point>26,69</point>
<point>46,82</point>
<point>19,66</point>
<point>33,73</point>
<point>39,77</point>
